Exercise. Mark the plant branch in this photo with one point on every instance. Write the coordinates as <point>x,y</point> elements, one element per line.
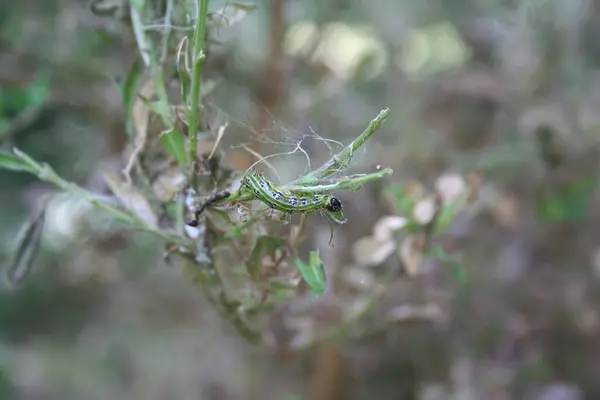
<point>346,183</point>
<point>342,159</point>
<point>167,31</point>
<point>138,31</point>
<point>45,173</point>
<point>311,182</point>
<point>198,56</point>
<point>161,108</point>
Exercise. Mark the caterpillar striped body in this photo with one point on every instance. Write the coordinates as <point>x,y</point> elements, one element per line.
<point>258,187</point>
<point>287,201</point>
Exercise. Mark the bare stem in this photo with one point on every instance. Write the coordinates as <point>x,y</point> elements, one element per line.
<point>198,56</point>
<point>299,234</point>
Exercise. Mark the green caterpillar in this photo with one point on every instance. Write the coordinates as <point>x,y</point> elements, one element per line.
<point>290,202</point>
<point>287,201</point>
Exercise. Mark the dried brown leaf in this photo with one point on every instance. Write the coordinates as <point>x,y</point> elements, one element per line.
<point>168,184</point>
<point>140,117</point>
<point>369,251</point>
<point>220,133</point>
<point>386,226</point>
<point>406,313</point>
<point>411,253</point>
<point>131,198</point>
<point>359,278</point>
<point>450,186</point>
<point>425,210</point>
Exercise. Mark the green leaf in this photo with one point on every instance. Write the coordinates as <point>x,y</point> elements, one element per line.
<point>568,203</point>
<point>403,203</point>
<point>155,106</point>
<point>440,254</point>
<point>133,199</point>
<point>172,139</point>
<point>265,245</point>
<point>13,163</point>
<point>281,291</point>
<point>39,90</point>
<point>137,4</point>
<point>175,144</point>
<point>129,90</point>
<point>182,65</point>
<point>449,212</point>
<point>313,273</point>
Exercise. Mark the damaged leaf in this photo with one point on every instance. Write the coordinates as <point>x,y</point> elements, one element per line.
<point>265,246</point>
<point>313,273</point>
<point>131,198</point>
<point>26,247</point>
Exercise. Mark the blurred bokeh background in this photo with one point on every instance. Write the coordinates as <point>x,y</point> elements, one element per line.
<point>508,88</point>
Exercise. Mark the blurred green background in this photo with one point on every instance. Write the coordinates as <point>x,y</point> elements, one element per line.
<point>509,88</point>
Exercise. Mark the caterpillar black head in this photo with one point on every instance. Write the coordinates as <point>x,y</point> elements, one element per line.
<point>334,205</point>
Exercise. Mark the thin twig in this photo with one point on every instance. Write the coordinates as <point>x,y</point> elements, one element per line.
<point>167,32</point>
<point>298,237</point>
<point>194,112</point>
<point>170,27</point>
<point>138,31</point>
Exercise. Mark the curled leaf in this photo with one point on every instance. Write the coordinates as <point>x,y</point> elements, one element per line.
<point>386,226</point>
<point>425,210</point>
<point>168,184</point>
<point>139,115</point>
<point>131,198</point>
<point>404,198</point>
<point>184,69</point>
<point>264,246</point>
<point>411,253</point>
<point>220,133</point>
<point>407,313</point>
<point>129,92</point>
<point>313,273</point>
<point>173,140</point>
<point>26,247</point>
<point>450,211</point>
<point>506,211</point>
<point>450,186</point>
<point>359,278</point>
<point>440,254</point>
<point>370,251</point>
<point>12,162</point>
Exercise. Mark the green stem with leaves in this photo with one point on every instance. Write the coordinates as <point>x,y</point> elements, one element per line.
<point>311,182</point>
<point>45,173</point>
<point>161,107</point>
<point>342,160</point>
<point>198,56</point>
<point>346,183</point>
